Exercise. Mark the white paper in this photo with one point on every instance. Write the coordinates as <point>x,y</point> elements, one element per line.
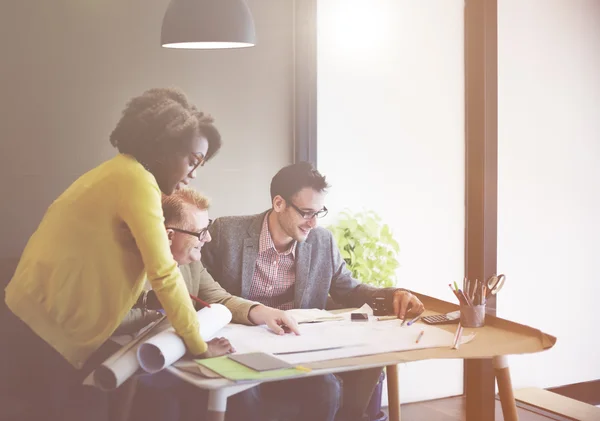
<point>366,309</point>
<point>261,339</point>
<point>312,315</point>
<point>167,347</point>
<point>116,369</point>
<point>379,338</point>
<point>338,339</point>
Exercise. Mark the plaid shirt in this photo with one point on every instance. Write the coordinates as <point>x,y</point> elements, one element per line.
<point>274,273</point>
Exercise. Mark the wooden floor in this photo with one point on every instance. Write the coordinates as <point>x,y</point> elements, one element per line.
<point>453,409</point>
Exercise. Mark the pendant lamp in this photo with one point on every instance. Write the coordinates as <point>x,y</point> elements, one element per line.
<point>208,24</point>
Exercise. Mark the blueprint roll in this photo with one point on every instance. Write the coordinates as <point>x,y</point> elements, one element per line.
<point>115,371</point>
<point>120,366</point>
<point>165,348</point>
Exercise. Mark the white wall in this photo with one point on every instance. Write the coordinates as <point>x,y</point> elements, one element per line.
<point>68,68</point>
<point>391,139</point>
<point>549,182</point>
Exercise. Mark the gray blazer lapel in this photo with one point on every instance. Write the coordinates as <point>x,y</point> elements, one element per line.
<point>250,253</point>
<point>301,295</point>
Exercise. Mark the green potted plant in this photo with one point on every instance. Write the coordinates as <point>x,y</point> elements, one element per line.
<point>371,254</point>
<point>368,247</point>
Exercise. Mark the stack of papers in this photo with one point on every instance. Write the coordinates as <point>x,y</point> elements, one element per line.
<point>313,315</point>
<point>340,338</point>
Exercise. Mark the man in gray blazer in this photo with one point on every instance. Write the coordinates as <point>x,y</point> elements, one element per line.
<point>282,259</point>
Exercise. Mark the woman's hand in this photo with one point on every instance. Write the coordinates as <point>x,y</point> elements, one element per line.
<point>217,347</point>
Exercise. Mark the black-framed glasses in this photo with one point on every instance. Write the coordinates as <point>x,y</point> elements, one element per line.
<point>308,214</point>
<point>201,236</point>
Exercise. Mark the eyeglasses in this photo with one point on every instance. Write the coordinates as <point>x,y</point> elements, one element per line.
<point>201,236</point>
<point>308,214</point>
<point>201,161</point>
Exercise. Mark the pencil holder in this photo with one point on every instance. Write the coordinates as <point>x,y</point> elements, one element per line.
<point>472,316</point>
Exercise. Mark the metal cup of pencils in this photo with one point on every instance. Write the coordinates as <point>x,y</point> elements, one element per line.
<point>472,316</point>
<point>472,298</point>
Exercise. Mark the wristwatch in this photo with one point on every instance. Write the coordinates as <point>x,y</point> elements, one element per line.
<point>382,303</point>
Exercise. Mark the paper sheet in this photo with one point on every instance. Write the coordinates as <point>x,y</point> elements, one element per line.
<point>260,338</point>
<point>338,339</point>
<point>167,347</point>
<point>124,363</point>
<point>364,309</point>
<point>312,315</point>
<point>116,369</point>
<point>379,338</point>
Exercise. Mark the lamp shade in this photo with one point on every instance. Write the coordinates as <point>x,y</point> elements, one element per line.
<point>208,24</point>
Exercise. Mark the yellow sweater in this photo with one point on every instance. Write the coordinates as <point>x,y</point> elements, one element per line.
<point>85,265</point>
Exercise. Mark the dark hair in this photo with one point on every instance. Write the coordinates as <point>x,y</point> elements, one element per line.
<point>162,116</point>
<point>291,179</point>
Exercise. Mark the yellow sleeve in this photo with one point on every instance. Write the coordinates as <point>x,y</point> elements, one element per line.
<point>141,209</point>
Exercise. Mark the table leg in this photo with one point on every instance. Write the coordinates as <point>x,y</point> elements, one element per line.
<point>507,397</point>
<point>217,400</point>
<point>393,392</point>
<point>217,405</point>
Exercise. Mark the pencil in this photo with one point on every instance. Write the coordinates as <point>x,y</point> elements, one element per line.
<point>454,292</point>
<point>416,319</point>
<point>420,336</point>
<point>466,298</point>
<point>198,300</point>
<point>452,289</point>
<point>457,337</point>
<point>383,318</point>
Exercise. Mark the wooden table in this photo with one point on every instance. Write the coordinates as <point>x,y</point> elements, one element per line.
<point>495,341</point>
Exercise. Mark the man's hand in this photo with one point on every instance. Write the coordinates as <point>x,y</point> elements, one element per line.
<point>277,320</point>
<point>405,303</point>
<point>217,347</point>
